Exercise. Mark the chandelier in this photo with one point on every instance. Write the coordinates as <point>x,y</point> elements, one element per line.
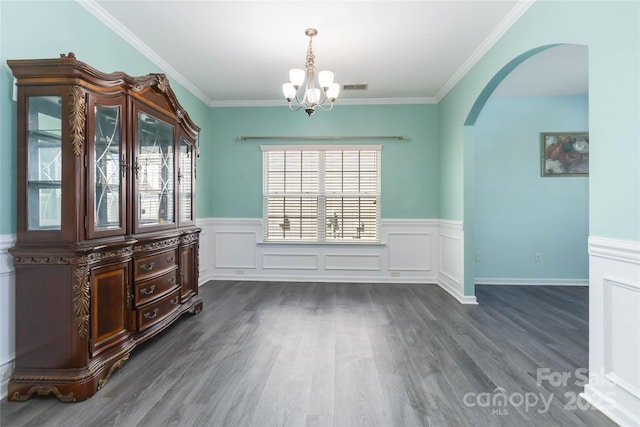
<point>303,89</point>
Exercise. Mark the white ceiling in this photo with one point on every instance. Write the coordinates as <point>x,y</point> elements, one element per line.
<point>239,52</point>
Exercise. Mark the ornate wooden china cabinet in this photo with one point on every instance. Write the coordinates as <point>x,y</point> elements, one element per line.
<point>107,248</point>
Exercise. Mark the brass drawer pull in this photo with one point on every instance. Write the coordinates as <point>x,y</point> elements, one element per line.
<point>148,291</point>
<point>151,316</point>
<point>174,301</point>
<point>172,279</point>
<point>146,267</point>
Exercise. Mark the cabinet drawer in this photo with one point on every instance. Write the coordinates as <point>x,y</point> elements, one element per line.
<point>151,289</point>
<point>156,311</point>
<point>154,264</point>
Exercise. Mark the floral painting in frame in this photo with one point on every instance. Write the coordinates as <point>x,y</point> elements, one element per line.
<point>565,153</point>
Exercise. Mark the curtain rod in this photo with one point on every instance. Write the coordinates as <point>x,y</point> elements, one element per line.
<point>324,138</point>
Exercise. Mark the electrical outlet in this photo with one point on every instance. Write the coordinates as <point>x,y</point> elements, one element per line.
<point>538,258</point>
<point>395,274</point>
<point>239,271</point>
<point>478,257</point>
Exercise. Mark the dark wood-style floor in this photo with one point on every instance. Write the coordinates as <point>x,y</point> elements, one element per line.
<point>327,354</point>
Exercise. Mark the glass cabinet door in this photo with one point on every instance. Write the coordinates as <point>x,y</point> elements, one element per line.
<point>44,163</point>
<point>154,166</point>
<point>107,169</point>
<point>185,181</point>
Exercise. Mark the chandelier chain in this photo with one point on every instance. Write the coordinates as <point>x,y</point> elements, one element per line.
<point>310,65</point>
<point>303,88</point>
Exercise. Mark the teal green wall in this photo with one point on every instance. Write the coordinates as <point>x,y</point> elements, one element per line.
<point>429,176</point>
<point>519,213</point>
<point>611,31</point>
<point>31,29</point>
<point>409,168</point>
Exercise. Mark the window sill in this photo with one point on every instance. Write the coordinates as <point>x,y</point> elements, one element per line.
<point>311,243</point>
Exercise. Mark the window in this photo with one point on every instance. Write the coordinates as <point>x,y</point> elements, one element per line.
<point>322,193</point>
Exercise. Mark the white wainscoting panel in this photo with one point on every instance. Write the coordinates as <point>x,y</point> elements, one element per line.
<point>408,253</point>
<point>614,329</point>
<point>622,355</point>
<point>359,262</point>
<point>235,249</point>
<point>451,260</point>
<point>7,312</point>
<point>206,250</point>
<point>289,261</point>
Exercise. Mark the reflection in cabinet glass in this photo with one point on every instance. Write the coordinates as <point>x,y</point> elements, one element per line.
<point>107,167</point>
<point>154,171</point>
<point>44,163</point>
<point>184,179</point>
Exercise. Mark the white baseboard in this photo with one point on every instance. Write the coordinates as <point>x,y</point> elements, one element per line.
<point>605,404</point>
<point>328,279</point>
<point>501,281</point>
<point>454,289</point>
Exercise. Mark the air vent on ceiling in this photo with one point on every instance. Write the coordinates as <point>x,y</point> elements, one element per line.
<point>356,86</point>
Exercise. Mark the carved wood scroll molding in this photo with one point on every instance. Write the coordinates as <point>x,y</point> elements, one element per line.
<point>77,118</point>
<point>197,252</point>
<point>59,260</point>
<point>43,390</point>
<point>81,300</point>
<point>117,365</point>
<point>162,83</point>
<point>157,245</point>
<point>186,239</point>
<point>68,260</point>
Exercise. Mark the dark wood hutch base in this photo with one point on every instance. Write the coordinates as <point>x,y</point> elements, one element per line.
<point>106,255</point>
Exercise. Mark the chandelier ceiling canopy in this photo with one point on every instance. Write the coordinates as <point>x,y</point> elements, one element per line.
<point>304,90</point>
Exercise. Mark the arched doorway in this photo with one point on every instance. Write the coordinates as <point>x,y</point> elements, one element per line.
<point>512,233</point>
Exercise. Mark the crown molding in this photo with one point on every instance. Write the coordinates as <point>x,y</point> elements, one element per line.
<point>512,17</point>
<point>112,23</point>
<point>108,20</point>
<point>387,101</point>
<point>339,102</point>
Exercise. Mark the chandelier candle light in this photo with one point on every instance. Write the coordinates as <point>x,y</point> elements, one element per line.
<point>302,88</point>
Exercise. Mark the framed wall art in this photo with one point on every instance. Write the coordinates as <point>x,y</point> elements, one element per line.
<point>565,153</point>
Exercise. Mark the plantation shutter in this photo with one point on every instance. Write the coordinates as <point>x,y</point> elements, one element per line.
<point>351,190</point>
<point>291,194</point>
<point>327,193</point>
